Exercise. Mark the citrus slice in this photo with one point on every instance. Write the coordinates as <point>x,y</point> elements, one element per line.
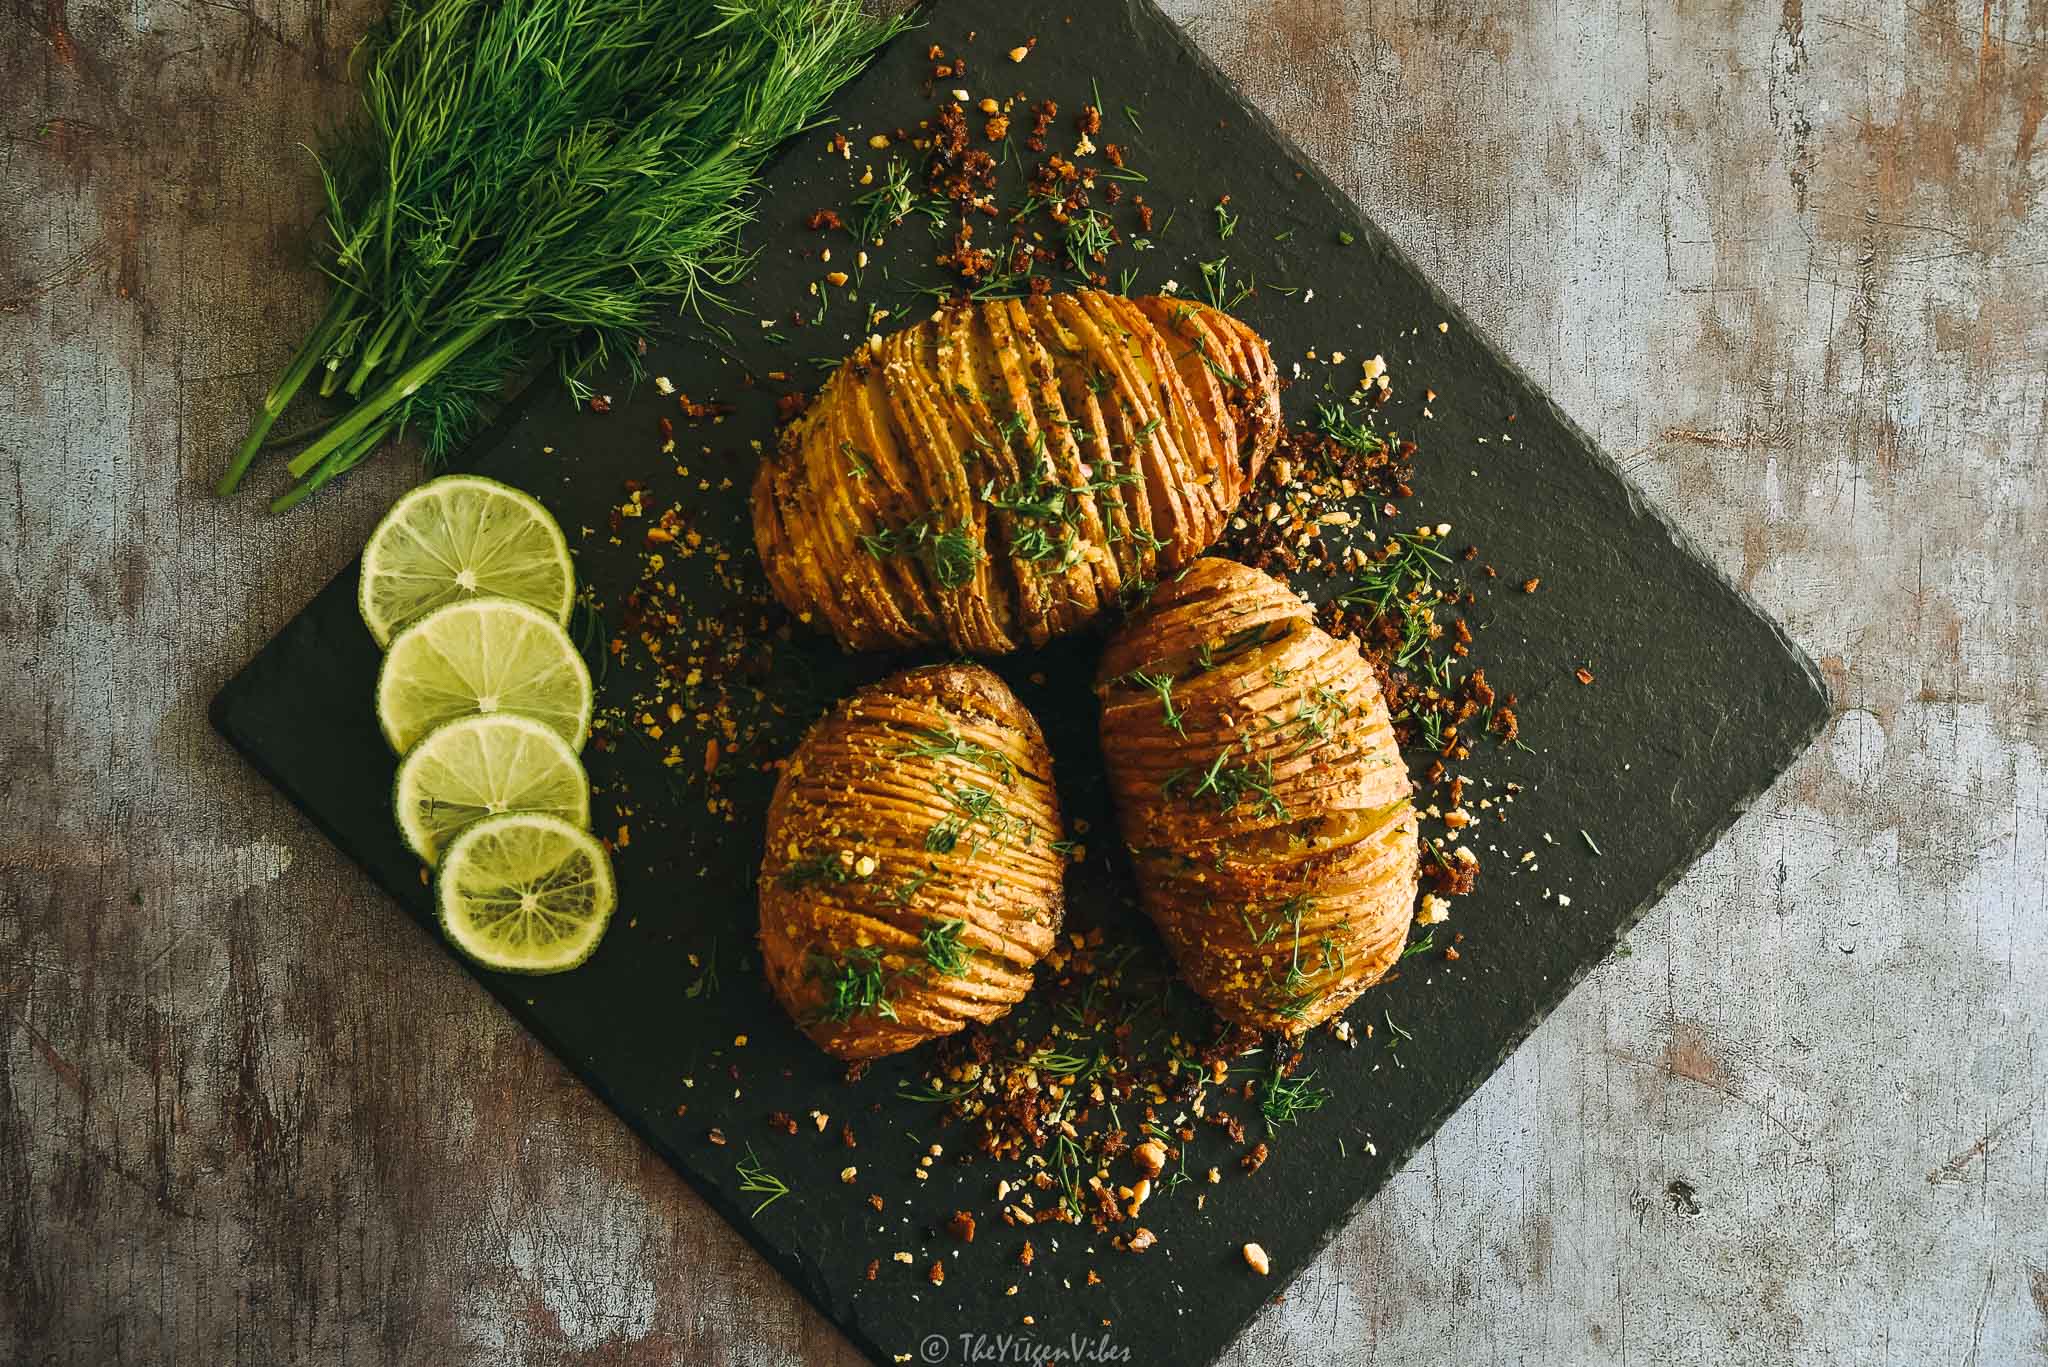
<point>461,537</point>
<point>480,766</point>
<point>486,656</point>
<point>525,893</point>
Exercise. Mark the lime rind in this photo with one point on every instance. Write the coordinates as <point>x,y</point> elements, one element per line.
<point>483,656</point>
<point>474,767</point>
<point>525,893</point>
<point>459,538</point>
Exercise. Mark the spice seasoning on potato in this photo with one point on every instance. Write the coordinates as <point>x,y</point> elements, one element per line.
<point>1001,473</point>
<point>1262,793</point>
<point>910,882</point>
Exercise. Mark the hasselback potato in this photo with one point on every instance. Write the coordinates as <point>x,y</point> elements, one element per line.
<point>911,879</point>
<point>1262,794</point>
<point>999,474</point>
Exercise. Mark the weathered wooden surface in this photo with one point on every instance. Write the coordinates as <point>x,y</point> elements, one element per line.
<point>1791,265</point>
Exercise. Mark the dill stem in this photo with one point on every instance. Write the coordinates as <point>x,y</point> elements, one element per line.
<point>335,464</point>
<point>297,435</point>
<point>287,386</point>
<point>396,390</point>
<point>400,349</point>
<point>372,355</point>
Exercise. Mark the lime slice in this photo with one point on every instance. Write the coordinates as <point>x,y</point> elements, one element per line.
<point>525,893</point>
<point>481,766</point>
<point>489,655</point>
<point>462,537</point>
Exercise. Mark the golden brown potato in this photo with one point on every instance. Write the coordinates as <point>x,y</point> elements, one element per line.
<point>910,881</point>
<point>999,474</point>
<point>1262,795</point>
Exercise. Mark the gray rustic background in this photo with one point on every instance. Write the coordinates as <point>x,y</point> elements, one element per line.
<point>1790,265</point>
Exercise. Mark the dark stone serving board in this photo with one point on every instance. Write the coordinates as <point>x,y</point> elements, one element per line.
<point>1700,703</point>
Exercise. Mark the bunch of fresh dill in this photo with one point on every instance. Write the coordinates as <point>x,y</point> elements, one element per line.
<point>535,178</point>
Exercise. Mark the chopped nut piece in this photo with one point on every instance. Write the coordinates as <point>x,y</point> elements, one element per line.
<point>1255,1258</point>
<point>1142,1240</point>
<point>1150,1157</point>
<point>962,1225</point>
<point>1018,54</point>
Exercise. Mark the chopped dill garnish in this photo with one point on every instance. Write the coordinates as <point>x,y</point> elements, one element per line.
<point>586,628</point>
<point>1162,684</point>
<point>903,892</point>
<point>943,950</point>
<point>756,1180</point>
<point>890,202</point>
<point>950,554</point>
<point>1421,946</point>
<point>1589,842</point>
<point>931,742</point>
<point>1334,421</point>
<point>1280,914</point>
<point>824,866</point>
<point>1231,785</point>
<point>856,461</point>
<point>1284,1100</point>
<point>973,806</point>
<point>1209,654</point>
<point>1395,1034</point>
<point>1049,513</point>
<point>1216,285</point>
<point>705,984</point>
<point>1226,222</point>
<point>854,983</point>
<point>930,1094</point>
<point>1407,566</point>
<point>1070,1068</point>
<point>1088,237</point>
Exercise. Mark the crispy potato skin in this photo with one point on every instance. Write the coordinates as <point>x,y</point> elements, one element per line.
<point>889,776</point>
<point>1000,473</point>
<point>1272,832</point>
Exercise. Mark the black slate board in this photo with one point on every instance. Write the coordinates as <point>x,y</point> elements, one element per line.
<point>1700,703</point>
